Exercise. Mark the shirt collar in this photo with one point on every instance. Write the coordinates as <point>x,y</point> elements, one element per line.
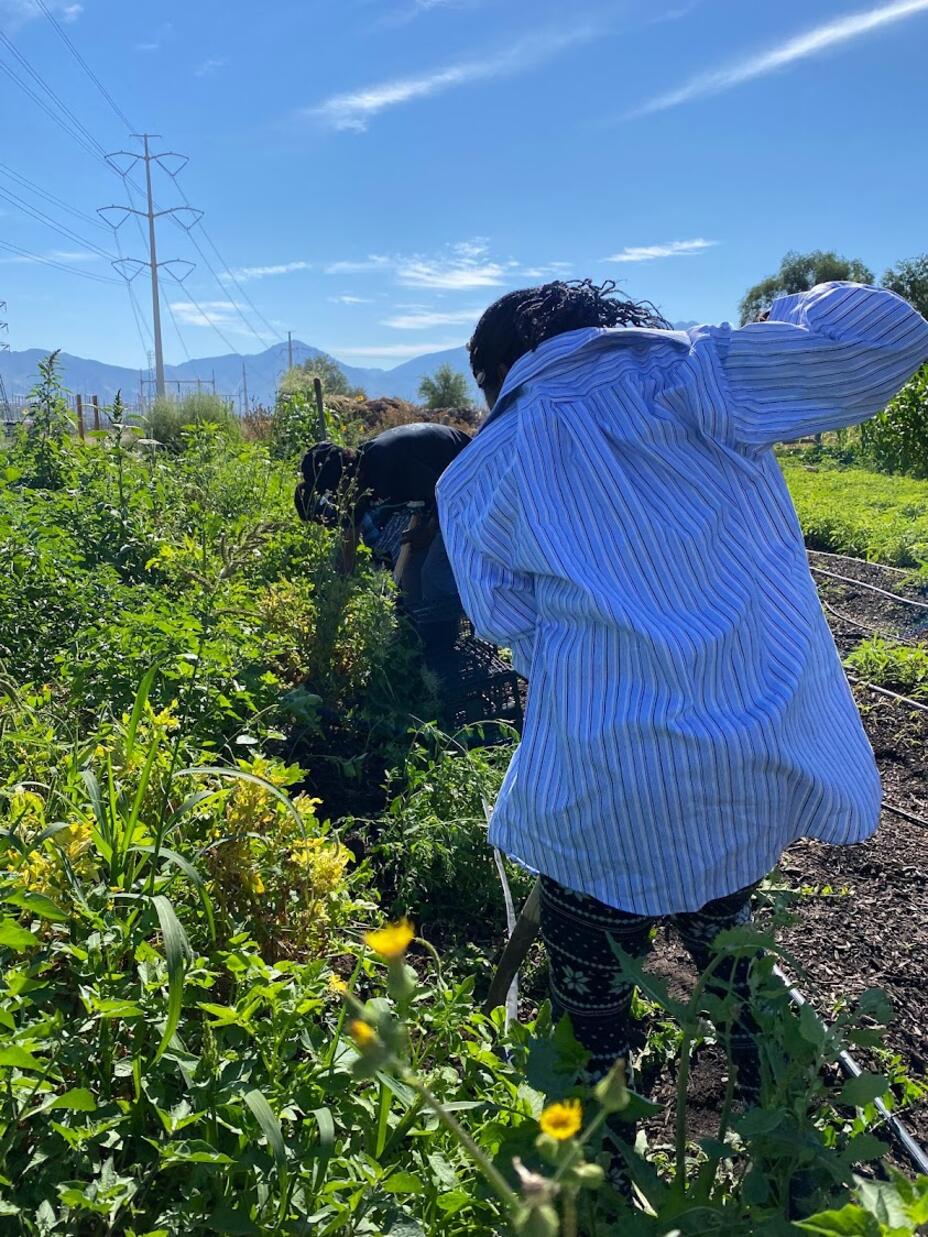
<point>554,350</point>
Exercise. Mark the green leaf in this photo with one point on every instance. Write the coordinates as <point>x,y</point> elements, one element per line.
<point>79,1099</point>
<point>14,1057</point>
<point>811,1027</point>
<point>326,1125</point>
<point>862,1090</point>
<point>15,937</point>
<point>850,1221</point>
<point>403,1183</point>
<point>177,954</point>
<point>37,904</point>
<point>270,1126</point>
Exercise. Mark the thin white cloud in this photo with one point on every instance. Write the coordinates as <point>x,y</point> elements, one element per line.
<point>245,273</point>
<point>811,43</point>
<point>350,300</point>
<point>456,275</point>
<point>147,47</point>
<point>210,66</point>
<point>671,249</point>
<point>397,351</point>
<point>15,13</point>
<point>373,263</point>
<point>53,255</point>
<point>223,314</point>
<point>354,110</point>
<point>425,319</point>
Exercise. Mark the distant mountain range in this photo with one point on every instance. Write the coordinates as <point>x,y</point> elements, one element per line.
<point>262,370</point>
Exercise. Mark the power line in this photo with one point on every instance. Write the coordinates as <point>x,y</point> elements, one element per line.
<point>62,34</point>
<point>40,102</point>
<point>71,270</point>
<point>32,187</point>
<point>62,229</point>
<point>177,331</point>
<point>57,100</point>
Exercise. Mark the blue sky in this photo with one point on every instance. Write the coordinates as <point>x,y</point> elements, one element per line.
<point>375,172</point>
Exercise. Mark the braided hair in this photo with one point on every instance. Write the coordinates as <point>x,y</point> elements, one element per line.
<point>519,321</point>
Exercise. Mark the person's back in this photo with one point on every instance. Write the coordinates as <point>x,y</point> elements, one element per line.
<point>622,523</point>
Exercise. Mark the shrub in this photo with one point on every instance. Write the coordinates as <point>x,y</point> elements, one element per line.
<point>897,439</point>
<point>166,419</point>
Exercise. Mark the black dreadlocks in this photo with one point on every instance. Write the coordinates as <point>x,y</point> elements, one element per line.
<point>519,321</point>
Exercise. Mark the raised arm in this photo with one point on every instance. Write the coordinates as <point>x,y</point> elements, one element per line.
<point>824,359</point>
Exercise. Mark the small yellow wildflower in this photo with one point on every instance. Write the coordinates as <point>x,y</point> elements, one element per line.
<point>562,1120</point>
<point>393,940</point>
<point>362,1033</point>
<point>253,882</point>
<point>337,984</point>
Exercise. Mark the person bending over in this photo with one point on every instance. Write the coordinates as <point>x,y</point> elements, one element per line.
<point>391,476</point>
<point>621,523</point>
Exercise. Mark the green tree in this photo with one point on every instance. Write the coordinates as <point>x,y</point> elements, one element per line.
<point>446,388</point>
<point>909,278</point>
<point>798,273</point>
<point>299,379</point>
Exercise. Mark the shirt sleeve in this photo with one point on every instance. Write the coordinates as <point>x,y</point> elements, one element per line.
<point>478,513</point>
<point>824,359</point>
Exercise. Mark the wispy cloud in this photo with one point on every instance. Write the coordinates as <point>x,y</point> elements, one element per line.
<point>15,13</point>
<point>350,300</point>
<point>372,263</point>
<point>811,43</point>
<point>223,314</point>
<point>397,351</point>
<point>670,249</point>
<point>460,267</point>
<point>245,273</point>
<point>425,319</point>
<point>211,65</point>
<point>451,276</point>
<point>147,47</point>
<point>53,255</point>
<point>354,110</point>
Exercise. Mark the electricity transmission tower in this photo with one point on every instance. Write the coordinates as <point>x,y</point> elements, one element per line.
<point>5,409</point>
<point>130,267</point>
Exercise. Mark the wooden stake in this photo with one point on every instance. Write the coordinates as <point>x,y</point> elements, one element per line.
<point>80,418</point>
<point>96,412</point>
<point>322,428</point>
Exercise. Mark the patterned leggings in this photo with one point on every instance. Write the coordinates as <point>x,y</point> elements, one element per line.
<point>587,983</point>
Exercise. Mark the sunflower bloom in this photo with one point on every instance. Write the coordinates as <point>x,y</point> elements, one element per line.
<point>393,940</point>
<point>362,1033</point>
<point>337,984</point>
<point>562,1120</point>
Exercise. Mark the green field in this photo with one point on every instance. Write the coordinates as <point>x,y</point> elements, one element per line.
<point>211,791</point>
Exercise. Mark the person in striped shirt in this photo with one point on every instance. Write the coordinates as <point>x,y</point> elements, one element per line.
<point>621,523</point>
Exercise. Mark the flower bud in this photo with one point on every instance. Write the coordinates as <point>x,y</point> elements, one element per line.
<point>611,1091</point>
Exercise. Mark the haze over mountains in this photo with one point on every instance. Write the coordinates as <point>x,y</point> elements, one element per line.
<point>262,370</point>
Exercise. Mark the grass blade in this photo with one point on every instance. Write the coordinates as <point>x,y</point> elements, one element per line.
<point>270,1126</point>
<point>178,955</point>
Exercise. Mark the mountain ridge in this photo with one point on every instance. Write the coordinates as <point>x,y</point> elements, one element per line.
<point>87,376</point>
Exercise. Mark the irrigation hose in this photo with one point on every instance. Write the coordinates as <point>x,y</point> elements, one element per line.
<point>899,1132</point>
<point>871,588</point>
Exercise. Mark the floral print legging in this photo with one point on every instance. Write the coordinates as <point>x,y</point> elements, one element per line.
<point>587,982</point>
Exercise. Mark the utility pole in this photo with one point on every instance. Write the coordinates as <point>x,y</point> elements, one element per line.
<point>135,265</point>
<point>5,408</point>
<point>290,350</point>
<point>244,388</point>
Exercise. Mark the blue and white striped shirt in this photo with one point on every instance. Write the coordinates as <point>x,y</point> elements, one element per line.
<point>622,524</point>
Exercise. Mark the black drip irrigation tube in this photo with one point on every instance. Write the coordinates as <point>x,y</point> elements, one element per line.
<point>899,1133</point>
<point>870,588</point>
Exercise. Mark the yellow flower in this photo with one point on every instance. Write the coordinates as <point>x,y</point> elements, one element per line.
<point>362,1034</point>
<point>253,882</point>
<point>393,940</point>
<point>562,1120</point>
<point>337,984</point>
